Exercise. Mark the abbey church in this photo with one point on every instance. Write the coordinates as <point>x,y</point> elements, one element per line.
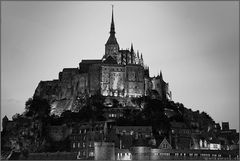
<point>120,74</point>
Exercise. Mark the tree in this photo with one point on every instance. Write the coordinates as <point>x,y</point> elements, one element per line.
<point>67,116</point>
<point>37,107</point>
<point>16,116</point>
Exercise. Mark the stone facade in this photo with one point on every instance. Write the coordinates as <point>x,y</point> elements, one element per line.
<point>84,135</point>
<point>180,136</point>
<point>104,151</point>
<point>120,73</point>
<point>129,136</point>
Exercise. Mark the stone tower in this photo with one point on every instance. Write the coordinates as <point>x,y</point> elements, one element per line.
<point>111,46</point>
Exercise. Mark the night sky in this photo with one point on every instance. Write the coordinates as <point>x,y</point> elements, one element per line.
<point>194,44</point>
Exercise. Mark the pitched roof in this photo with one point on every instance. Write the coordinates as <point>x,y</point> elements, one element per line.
<point>110,60</point>
<point>164,141</point>
<point>112,40</point>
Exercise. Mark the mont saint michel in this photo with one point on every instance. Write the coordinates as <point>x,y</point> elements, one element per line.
<point>115,103</point>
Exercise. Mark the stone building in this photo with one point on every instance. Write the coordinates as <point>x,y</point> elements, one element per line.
<point>165,144</point>
<point>180,135</point>
<point>126,137</point>
<point>104,151</point>
<point>123,154</point>
<point>84,135</point>
<point>120,73</point>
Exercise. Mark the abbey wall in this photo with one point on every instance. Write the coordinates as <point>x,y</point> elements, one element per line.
<point>120,74</point>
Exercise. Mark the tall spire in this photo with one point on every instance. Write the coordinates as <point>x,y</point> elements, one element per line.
<point>131,53</point>
<point>131,47</point>
<point>111,46</point>
<point>112,29</point>
<point>112,38</point>
<point>161,75</point>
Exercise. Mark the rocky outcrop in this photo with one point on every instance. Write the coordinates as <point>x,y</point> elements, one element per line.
<point>65,93</point>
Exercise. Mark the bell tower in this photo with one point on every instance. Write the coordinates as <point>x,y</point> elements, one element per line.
<point>111,46</point>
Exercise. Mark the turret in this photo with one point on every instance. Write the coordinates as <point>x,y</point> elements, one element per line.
<point>4,122</point>
<point>141,60</point>
<point>132,52</point>
<point>161,77</point>
<point>131,48</point>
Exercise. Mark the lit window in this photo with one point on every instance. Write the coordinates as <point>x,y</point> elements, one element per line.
<point>73,145</point>
<point>131,132</point>
<point>91,154</point>
<point>78,145</point>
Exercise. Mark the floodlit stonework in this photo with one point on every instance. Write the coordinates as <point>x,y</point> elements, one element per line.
<point>120,73</point>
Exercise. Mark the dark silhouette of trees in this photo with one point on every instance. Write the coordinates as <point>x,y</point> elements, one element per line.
<point>37,107</point>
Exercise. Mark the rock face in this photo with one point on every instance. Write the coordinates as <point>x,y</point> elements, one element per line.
<point>64,93</point>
